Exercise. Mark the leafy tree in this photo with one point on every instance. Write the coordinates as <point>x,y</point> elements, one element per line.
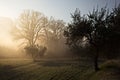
<point>98,31</point>
<point>77,30</point>
<point>113,37</point>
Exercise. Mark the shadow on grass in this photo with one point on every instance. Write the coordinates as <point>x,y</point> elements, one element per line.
<point>57,62</point>
<point>62,63</point>
<point>54,63</point>
<point>6,72</point>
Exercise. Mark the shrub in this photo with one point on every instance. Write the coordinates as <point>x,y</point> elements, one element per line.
<point>35,51</point>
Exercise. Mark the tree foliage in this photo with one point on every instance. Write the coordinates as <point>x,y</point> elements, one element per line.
<point>99,31</point>
<point>35,51</point>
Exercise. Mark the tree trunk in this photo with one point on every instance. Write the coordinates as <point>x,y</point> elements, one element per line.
<point>96,67</point>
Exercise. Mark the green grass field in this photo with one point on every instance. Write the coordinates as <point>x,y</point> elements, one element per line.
<point>15,69</point>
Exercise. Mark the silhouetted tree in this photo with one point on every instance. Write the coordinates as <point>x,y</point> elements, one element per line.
<point>97,37</point>
<point>77,30</point>
<point>99,31</point>
<point>112,44</point>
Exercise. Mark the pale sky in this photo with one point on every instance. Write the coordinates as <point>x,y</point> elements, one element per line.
<point>59,9</point>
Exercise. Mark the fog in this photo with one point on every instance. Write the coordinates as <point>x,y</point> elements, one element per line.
<point>11,48</point>
<point>8,46</point>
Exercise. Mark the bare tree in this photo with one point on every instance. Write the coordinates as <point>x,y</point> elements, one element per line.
<point>53,32</point>
<point>29,26</point>
<point>57,27</point>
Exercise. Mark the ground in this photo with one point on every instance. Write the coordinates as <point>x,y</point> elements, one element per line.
<point>17,69</point>
<point>55,69</point>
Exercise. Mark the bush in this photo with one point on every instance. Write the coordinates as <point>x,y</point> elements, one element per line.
<point>35,51</point>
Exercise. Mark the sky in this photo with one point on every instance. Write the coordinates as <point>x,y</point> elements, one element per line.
<point>59,9</point>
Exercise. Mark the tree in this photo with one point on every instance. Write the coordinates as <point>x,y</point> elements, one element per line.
<point>98,36</point>
<point>113,37</point>
<point>28,29</point>
<point>53,29</point>
<point>53,34</point>
<point>77,30</point>
<point>36,51</point>
<point>29,26</point>
<point>56,28</point>
<point>97,31</point>
<point>56,38</point>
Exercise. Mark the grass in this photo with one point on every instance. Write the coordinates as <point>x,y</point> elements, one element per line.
<point>110,70</point>
<point>66,69</point>
<point>41,70</point>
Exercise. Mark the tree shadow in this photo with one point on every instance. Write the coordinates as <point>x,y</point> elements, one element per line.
<point>55,63</point>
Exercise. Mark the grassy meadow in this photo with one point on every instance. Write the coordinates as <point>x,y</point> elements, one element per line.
<point>59,69</point>
<point>15,69</point>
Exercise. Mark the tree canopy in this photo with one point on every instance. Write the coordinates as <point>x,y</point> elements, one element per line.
<point>98,30</point>
<point>29,26</point>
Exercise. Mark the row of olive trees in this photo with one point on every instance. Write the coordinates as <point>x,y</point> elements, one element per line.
<point>98,31</point>
<point>35,29</point>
